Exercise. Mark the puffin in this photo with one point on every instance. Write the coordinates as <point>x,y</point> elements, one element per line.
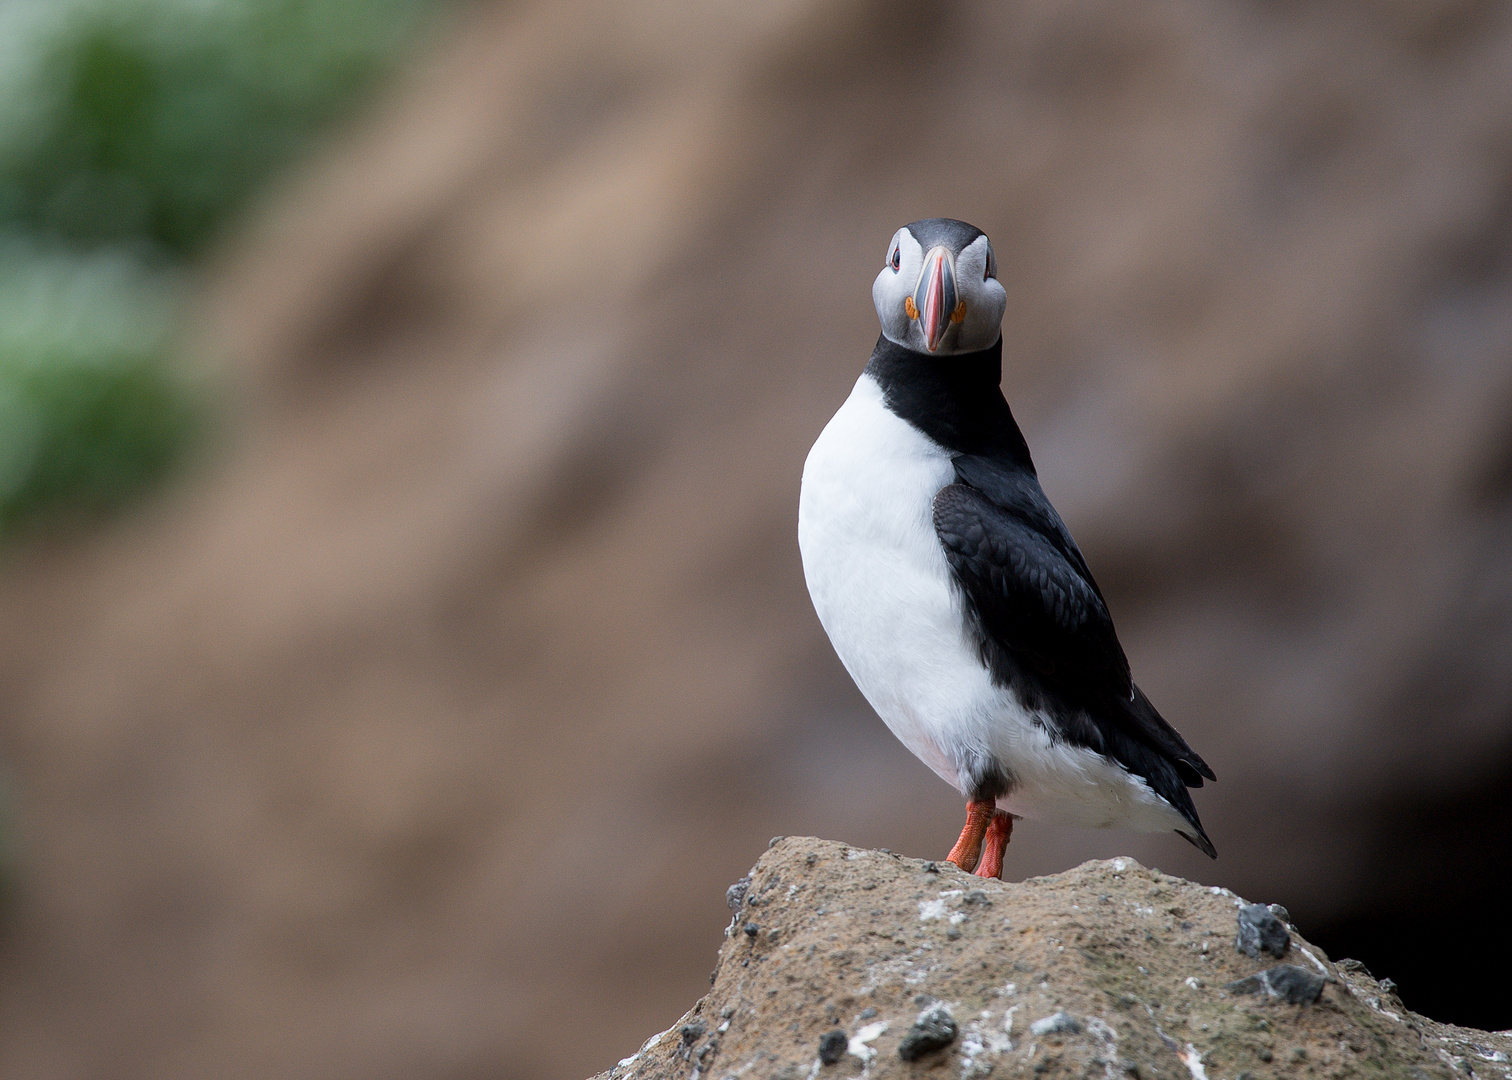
<point>953,592</point>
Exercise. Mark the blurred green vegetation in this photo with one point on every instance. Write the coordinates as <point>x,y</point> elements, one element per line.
<point>132,133</point>
<point>154,120</point>
<point>91,410</point>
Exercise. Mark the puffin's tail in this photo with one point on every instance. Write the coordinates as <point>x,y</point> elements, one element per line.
<point>1141,721</point>
<point>1200,841</point>
<point>1151,728</point>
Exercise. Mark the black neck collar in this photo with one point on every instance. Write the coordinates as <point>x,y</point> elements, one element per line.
<point>955,400</point>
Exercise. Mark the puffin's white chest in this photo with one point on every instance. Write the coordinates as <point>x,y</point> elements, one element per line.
<point>879,580</point>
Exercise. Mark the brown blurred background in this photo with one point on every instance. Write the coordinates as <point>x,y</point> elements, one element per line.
<point>414,725</point>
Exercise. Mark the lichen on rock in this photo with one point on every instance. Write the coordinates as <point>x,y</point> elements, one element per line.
<point>1107,970</point>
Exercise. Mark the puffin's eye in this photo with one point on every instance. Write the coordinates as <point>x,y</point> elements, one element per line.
<point>988,269</point>
<point>897,258</point>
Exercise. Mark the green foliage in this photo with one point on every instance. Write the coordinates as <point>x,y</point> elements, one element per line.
<point>154,120</point>
<point>85,433</point>
<point>131,133</point>
<point>91,412</point>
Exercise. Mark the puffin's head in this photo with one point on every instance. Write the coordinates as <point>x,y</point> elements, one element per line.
<point>938,291</point>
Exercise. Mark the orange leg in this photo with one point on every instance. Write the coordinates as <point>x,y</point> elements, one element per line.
<point>969,847</point>
<point>994,844</point>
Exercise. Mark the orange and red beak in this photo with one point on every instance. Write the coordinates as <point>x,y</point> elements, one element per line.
<point>934,298</point>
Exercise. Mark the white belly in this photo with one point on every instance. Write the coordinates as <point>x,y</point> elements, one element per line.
<point>883,592</point>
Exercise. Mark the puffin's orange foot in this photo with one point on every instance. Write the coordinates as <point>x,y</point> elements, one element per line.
<point>968,849</point>
<point>994,844</point>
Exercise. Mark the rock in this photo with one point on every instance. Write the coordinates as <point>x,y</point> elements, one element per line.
<point>935,1029</point>
<point>1261,931</point>
<point>1285,981</point>
<point>1096,971</point>
<point>1061,1022</point>
<point>735,894</point>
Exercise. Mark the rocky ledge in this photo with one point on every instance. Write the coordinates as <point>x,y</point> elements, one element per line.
<point>843,963</point>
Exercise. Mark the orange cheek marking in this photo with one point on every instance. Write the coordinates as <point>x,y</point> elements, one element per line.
<point>959,314</point>
<point>908,306</point>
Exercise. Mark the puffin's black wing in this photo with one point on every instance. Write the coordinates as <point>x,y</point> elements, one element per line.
<point>1045,631</point>
<point>1029,598</point>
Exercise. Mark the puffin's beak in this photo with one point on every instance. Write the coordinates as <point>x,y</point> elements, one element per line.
<point>934,298</point>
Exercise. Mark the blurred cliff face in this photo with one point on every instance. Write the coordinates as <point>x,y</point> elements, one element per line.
<point>420,732</point>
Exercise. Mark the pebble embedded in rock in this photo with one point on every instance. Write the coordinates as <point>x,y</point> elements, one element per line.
<point>1056,1024</point>
<point>735,894</point>
<point>1291,984</point>
<point>832,1046</point>
<point>1261,932</point>
<point>751,929</point>
<point>934,1029</point>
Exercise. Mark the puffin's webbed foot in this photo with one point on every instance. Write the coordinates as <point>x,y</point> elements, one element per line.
<point>968,849</point>
<point>994,844</point>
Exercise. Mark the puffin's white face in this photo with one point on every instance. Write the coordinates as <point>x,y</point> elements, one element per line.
<point>939,301</point>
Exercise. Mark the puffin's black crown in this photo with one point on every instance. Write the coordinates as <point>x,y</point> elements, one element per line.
<point>955,235</point>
